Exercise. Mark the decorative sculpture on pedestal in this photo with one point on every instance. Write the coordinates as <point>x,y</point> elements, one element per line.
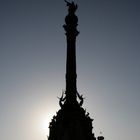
<point>71,122</point>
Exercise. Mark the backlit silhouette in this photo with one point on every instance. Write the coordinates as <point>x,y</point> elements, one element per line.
<point>71,122</point>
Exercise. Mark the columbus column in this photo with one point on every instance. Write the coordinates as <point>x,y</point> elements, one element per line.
<point>71,122</point>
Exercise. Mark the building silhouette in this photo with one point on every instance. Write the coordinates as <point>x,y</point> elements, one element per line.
<point>71,122</point>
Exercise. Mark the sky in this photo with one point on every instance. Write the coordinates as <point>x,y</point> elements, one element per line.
<point>32,66</point>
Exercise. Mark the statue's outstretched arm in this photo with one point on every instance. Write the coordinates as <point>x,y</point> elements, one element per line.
<point>68,3</point>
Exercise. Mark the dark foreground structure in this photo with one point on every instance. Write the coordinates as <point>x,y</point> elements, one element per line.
<point>71,122</point>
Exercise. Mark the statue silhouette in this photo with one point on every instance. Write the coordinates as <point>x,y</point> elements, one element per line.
<point>71,122</point>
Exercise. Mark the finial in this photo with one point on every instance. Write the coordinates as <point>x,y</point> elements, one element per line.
<point>100,137</point>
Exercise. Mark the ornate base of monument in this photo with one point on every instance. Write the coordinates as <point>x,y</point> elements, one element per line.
<point>71,123</point>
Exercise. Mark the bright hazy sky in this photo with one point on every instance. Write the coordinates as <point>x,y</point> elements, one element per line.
<point>32,66</point>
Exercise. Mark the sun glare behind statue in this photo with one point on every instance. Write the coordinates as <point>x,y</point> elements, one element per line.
<point>44,126</point>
